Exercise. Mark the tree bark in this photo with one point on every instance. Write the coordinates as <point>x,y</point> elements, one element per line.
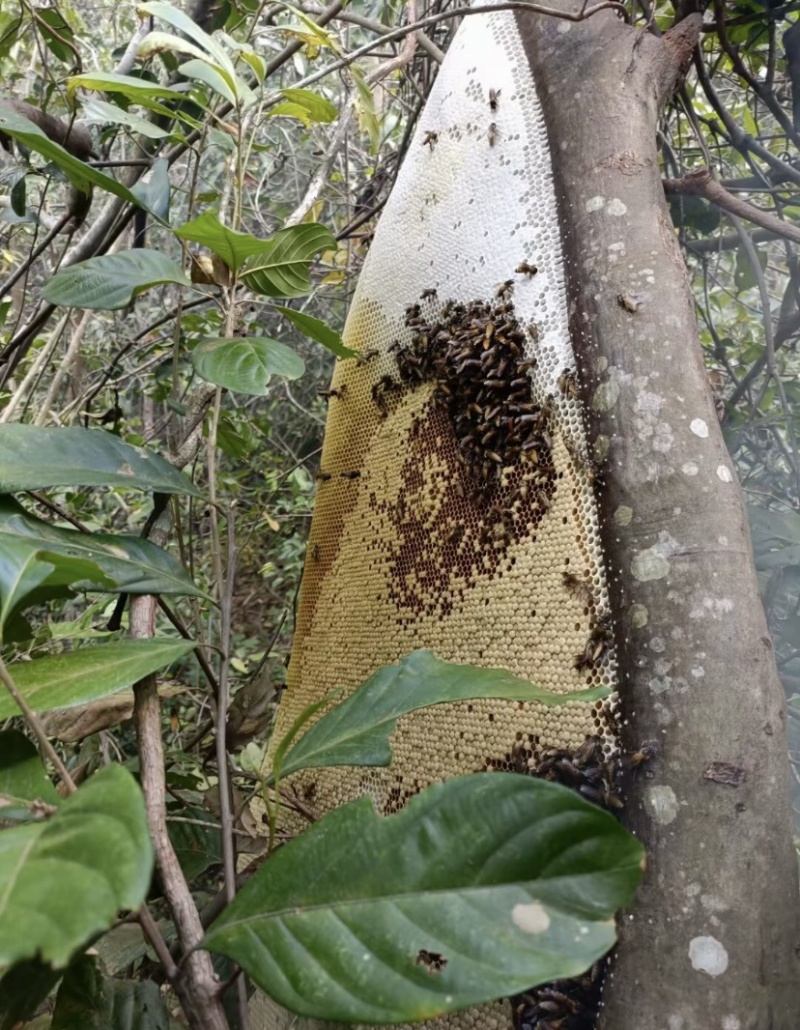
<point>712,940</point>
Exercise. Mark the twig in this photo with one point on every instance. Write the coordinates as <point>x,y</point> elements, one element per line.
<point>700,183</point>
<point>223,698</point>
<point>151,930</point>
<point>33,721</point>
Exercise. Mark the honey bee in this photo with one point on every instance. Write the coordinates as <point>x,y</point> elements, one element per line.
<point>315,552</point>
<point>430,139</point>
<point>646,753</point>
<point>505,288</point>
<point>568,384</point>
<point>523,268</point>
<point>368,355</point>
<point>579,587</point>
<point>493,134</point>
<point>597,644</point>
<point>429,294</point>
<point>323,476</point>
<point>628,303</point>
<point>327,394</point>
<point>433,961</point>
<point>355,474</point>
<point>494,98</point>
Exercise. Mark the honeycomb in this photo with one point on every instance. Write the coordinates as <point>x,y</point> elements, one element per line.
<point>456,494</point>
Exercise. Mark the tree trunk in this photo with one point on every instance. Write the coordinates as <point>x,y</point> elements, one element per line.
<point>712,940</point>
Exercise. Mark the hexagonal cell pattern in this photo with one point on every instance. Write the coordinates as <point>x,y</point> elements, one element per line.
<point>456,499</point>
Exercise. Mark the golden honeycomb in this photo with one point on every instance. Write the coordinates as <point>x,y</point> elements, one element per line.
<point>456,501</point>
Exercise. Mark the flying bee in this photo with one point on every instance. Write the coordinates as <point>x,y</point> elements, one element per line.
<point>505,288</point>
<point>355,474</point>
<point>430,139</point>
<point>323,476</point>
<point>597,644</point>
<point>493,134</point>
<point>494,98</point>
<point>429,294</point>
<point>523,268</point>
<point>327,394</point>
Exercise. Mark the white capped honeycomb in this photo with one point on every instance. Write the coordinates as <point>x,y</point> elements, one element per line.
<point>400,556</point>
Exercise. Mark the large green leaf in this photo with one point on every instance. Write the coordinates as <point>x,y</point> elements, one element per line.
<point>482,886</point>
<point>185,24</point>
<point>305,105</point>
<point>87,1000</point>
<point>245,363</point>
<point>65,878</point>
<point>32,457</point>
<point>281,268</point>
<point>27,576</point>
<point>22,775</point>
<point>113,280</point>
<point>76,677</point>
<point>233,247</point>
<point>81,175</point>
<point>141,91</point>
<point>103,113</point>
<point>36,556</point>
<point>356,732</point>
<point>317,330</point>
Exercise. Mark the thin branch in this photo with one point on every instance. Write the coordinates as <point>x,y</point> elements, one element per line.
<point>700,183</point>
<point>223,699</point>
<point>38,730</point>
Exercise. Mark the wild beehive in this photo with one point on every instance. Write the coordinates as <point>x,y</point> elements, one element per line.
<point>456,492</point>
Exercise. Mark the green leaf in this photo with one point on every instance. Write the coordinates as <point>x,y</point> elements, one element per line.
<point>511,881</point>
<point>65,878</point>
<point>245,363</point>
<point>305,105</point>
<point>196,848</point>
<point>32,457</point>
<point>154,194</point>
<point>317,330</point>
<point>102,113</point>
<point>281,269</point>
<point>88,674</point>
<point>141,91</point>
<point>81,175</point>
<point>87,1000</point>
<point>56,33</point>
<point>357,731</point>
<point>25,573</point>
<point>183,23</point>
<point>112,281</point>
<point>22,775</point>
<point>37,557</point>
<point>209,76</point>
<point>233,247</point>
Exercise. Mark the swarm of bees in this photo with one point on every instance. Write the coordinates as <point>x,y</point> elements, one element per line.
<point>474,353</point>
<point>562,1004</point>
<point>569,1004</point>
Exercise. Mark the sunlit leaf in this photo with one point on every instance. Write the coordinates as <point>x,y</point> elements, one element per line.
<point>356,732</point>
<point>317,330</point>
<point>112,281</point>
<point>481,887</point>
<point>245,363</point>
<point>282,268</point>
<point>89,673</point>
<point>67,877</point>
<point>32,457</point>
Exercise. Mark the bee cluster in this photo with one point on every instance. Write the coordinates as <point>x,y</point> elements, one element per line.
<point>475,355</point>
<point>562,1004</point>
<point>568,1004</point>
